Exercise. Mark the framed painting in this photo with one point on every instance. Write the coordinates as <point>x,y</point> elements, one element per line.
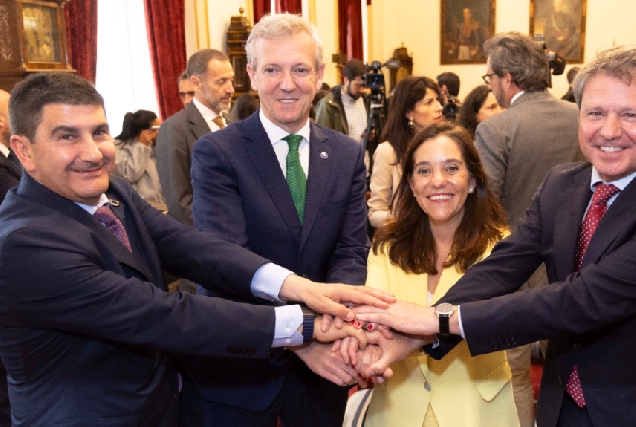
<point>466,25</point>
<point>561,24</point>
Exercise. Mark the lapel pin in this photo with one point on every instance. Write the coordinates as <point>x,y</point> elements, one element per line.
<point>323,155</point>
<point>114,202</point>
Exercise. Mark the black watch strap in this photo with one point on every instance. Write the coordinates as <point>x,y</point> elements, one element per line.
<point>309,321</point>
<point>444,328</point>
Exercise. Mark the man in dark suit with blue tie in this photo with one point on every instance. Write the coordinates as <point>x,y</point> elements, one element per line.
<point>293,192</point>
<point>582,225</point>
<point>88,332</point>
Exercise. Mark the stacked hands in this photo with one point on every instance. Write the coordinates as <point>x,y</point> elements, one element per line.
<point>362,331</point>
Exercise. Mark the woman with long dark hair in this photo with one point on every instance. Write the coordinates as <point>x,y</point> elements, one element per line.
<point>135,159</point>
<point>414,105</point>
<point>446,219</point>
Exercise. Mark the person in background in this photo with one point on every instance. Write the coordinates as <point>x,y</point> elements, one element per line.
<point>517,148</point>
<point>448,84</point>
<point>135,158</point>
<point>244,106</point>
<point>414,105</point>
<point>480,104</point>
<point>446,220</point>
<point>212,77</point>
<point>571,74</point>
<point>186,90</point>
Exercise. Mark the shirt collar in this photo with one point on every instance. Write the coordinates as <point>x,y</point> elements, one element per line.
<point>346,98</point>
<point>275,133</point>
<point>91,209</point>
<point>208,114</point>
<point>4,150</point>
<point>517,95</point>
<point>619,183</point>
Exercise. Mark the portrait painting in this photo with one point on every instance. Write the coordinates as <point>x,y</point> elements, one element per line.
<point>466,25</point>
<point>561,24</point>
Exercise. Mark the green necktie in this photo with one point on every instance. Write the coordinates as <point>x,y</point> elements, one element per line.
<point>296,178</point>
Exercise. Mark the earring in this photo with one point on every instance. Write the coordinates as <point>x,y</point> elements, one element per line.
<point>410,123</point>
<point>471,189</point>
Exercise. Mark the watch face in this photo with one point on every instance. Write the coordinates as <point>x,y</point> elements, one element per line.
<point>444,309</point>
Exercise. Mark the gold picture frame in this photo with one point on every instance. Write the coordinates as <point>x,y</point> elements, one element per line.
<point>465,26</point>
<point>561,23</point>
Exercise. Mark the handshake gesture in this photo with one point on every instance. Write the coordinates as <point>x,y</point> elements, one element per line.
<point>354,344</point>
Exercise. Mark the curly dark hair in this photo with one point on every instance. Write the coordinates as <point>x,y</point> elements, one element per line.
<point>467,116</point>
<point>408,238</point>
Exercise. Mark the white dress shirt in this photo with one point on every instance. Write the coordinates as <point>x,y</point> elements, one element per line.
<point>208,115</point>
<point>281,148</point>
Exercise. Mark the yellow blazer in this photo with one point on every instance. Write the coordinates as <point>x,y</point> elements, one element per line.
<point>462,390</point>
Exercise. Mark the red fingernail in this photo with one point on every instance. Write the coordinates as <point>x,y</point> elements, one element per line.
<point>353,322</point>
<point>369,328</point>
<point>357,324</point>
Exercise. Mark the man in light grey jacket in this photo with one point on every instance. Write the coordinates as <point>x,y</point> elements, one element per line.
<point>518,147</point>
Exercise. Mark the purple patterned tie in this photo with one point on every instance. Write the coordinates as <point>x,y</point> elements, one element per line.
<point>108,218</point>
<point>602,194</point>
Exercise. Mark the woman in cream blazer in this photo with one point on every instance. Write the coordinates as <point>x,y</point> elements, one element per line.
<point>441,200</point>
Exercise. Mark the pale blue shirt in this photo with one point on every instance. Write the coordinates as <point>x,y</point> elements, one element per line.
<point>266,284</point>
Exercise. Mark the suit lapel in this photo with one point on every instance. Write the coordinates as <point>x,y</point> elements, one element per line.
<point>198,126</point>
<point>569,219</point>
<point>620,216</point>
<point>42,195</point>
<point>263,157</point>
<point>320,160</point>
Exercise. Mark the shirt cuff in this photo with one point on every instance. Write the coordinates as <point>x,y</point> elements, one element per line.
<point>461,327</point>
<point>268,280</point>
<point>288,320</point>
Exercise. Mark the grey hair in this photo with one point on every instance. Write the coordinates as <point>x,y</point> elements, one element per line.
<point>279,26</point>
<point>618,62</point>
<point>198,62</point>
<point>520,56</point>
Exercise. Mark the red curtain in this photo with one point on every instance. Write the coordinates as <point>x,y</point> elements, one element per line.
<point>261,8</point>
<point>81,37</point>
<point>291,6</point>
<point>165,24</point>
<point>350,28</point>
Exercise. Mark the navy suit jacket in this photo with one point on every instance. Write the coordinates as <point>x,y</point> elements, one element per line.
<point>589,316</point>
<point>86,325</point>
<point>240,193</point>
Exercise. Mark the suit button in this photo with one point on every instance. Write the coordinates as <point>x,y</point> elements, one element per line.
<point>560,380</point>
<point>576,346</point>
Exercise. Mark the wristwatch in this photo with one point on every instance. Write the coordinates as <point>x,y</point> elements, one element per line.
<point>444,312</point>
<point>309,320</point>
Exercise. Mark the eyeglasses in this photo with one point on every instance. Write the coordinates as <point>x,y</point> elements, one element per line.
<point>487,77</point>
